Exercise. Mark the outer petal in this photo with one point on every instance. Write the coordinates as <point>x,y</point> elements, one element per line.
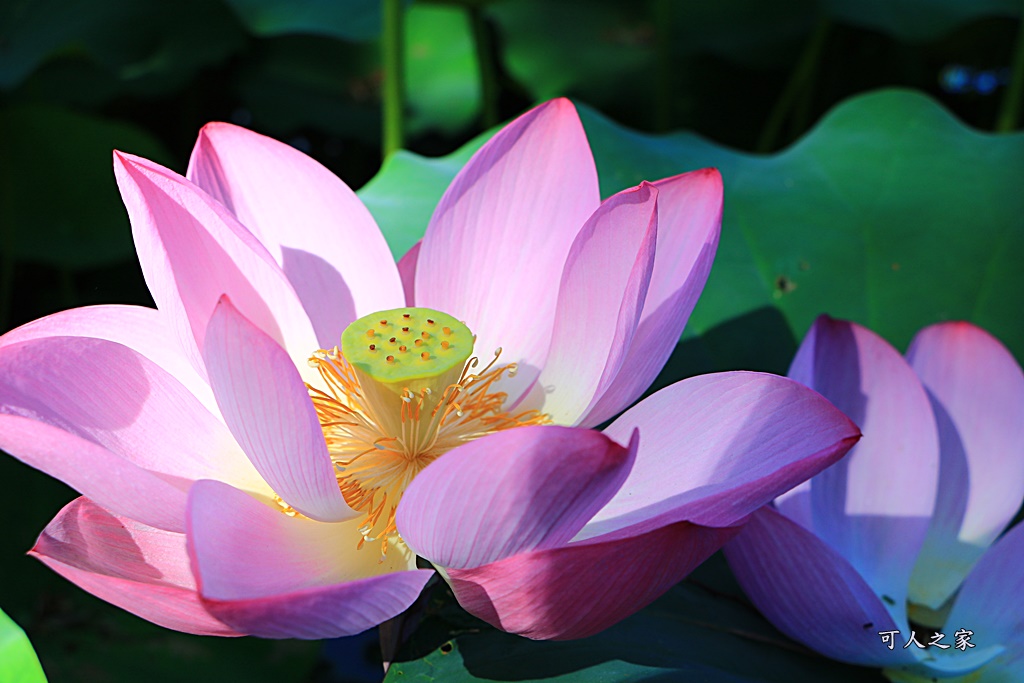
<point>689,221</point>
<point>242,548</point>
<point>520,490</point>
<point>334,611</point>
<point>874,506</point>
<point>144,330</point>
<point>136,567</point>
<point>977,391</point>
<point>270,574</point>
<point>717,447</point>
<point>812,594</point>
<point>266,406</point>
<point>580,589</point>
<point>192,251</point>
<point>600,299</point>
<point>494,250</point>
<point>991,603</point>
<point>109,394</point>
<point>315,227</point>
<point>111,480</point>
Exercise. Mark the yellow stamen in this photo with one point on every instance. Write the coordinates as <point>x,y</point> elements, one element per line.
<point>385,420</point>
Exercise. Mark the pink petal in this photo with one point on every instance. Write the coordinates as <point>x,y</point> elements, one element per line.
<point>407,271</point>
<point>313,225</point>
<point>519,490</point>
<point>714,448</point>
<point>875,505</point>
<point>334,611</point>
<point>689,220</point>
<point>267,408</point>
<point>107,393</point>
<point>192,251</point>
<point>812,594</point>
<point>243,548</point>
<point>602,294</point>
<point>494,250</point>
<point>977,390</point>
<point>578,590</point>
<point>110,480</point>
<point>133,566</point>
<point>266,573</point>
<point>144,330</point>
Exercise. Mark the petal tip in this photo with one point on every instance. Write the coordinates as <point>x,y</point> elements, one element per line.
<point>825,319</point>
<point>213,131</point>
<point>215,126</point>
<point>710,175</point>
<point>136,166</point>
<point>649,187</point>
<point>563,104</point>
<point>561,110</point>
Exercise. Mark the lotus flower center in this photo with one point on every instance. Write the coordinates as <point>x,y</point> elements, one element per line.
<point>402,391</point>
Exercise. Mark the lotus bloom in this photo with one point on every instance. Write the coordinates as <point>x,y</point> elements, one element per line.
<point>244,450</point>
<point>892,558</point>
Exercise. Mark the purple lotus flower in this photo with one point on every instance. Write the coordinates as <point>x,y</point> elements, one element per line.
<point>242,474</point>
<point>893,557</point>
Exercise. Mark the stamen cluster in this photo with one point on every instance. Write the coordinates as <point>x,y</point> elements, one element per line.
<point>381,434</point>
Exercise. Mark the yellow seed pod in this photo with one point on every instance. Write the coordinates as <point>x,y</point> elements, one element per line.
<point>376,345</point>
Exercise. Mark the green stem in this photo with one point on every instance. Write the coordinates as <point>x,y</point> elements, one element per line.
<point>665,89</point>
<point>392,43</point>
<point>800,78</point>
<point>1010,109</point>
<point>485,62</point>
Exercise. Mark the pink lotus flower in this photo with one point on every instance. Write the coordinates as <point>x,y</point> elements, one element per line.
<point>898,541</point>
<point>242,475</point>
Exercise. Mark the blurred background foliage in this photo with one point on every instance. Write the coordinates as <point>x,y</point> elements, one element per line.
<point>871,171</point>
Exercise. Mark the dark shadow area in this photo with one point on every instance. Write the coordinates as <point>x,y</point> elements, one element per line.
<point>760,340</point>
<point>700,630</point>
<point>323,292</point>
<point>71,385</point>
